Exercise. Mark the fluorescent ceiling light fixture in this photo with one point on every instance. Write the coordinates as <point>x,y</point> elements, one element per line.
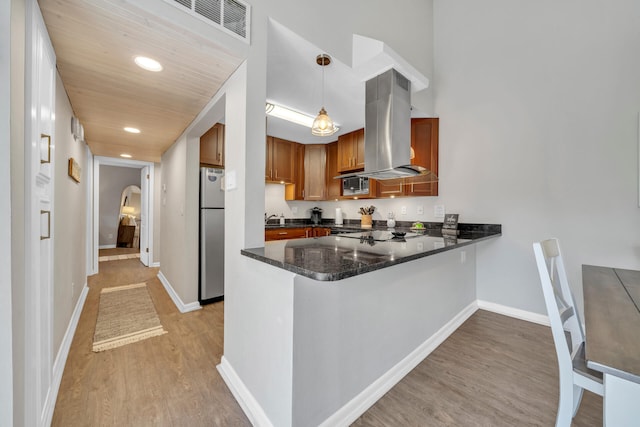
<point>126,156</point>
<point>131,130</point>
<point>148,63</point>
<point>289,115</point>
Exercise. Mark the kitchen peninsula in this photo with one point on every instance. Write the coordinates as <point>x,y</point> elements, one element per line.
<point>349,252</point>
<point>344,318</point>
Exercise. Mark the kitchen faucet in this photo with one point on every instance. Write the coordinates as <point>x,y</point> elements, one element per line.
<point>266,219</point>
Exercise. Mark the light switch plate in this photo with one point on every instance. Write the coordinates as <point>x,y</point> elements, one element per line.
<point>420,210</point>
<point>438,211</point>
<point>230,180</point>
<point>403,210</point>
<point>294,210</point>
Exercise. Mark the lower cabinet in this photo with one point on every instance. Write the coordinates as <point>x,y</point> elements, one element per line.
<point>321,231</point>
<point>287,233</point>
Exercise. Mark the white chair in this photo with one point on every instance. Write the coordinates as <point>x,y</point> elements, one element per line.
<point>563,314</point>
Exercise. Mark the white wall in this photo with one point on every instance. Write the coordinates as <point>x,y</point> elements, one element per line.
<point>538,105</point>
<point>157,211</point>
<point>409,34</point>
<point>177,261</point>
<point>18,20</point>
<point>69,262</point>
<point>6,363</point>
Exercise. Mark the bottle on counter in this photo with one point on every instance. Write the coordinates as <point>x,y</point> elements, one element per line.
<point>281,219</point>
<point>391,222</point>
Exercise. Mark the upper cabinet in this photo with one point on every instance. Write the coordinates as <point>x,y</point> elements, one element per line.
<point>280,160</point>
<point>351,151</point>
<point>315,161</point>
<point>334,186</point>
<point>424,141</point>
<point>212,146</point>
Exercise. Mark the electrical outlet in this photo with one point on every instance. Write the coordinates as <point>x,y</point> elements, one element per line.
<point>403,210</point>
<point>109,236</point>
<point>438,211</point>
<point>463,257</point>
<point>294,210</point>
<point>420,210</point>
<point>73,285</point>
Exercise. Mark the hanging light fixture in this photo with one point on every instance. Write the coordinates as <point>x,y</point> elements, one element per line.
<point>323,125</point>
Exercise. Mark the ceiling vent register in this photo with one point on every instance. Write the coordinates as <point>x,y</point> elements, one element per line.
<point>230,15</point>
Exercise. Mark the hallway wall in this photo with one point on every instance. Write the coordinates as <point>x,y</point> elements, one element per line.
<point>70,205</point>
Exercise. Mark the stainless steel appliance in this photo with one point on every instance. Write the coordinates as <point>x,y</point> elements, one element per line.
<point>316,216</point>
<point>355,185</point>
<point>211,235</point>
<point>387,129</point>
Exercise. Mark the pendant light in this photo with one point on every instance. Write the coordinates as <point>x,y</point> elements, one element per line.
<point>323,125</point>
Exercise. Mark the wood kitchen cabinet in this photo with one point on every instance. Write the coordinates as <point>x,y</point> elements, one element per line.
<point>287,233</point>
<point>333,186</point>
<point>212,147</point>
<point>424,141</point>
<point>295,191</point>
<point>321,231</point>
<point>390,187</point>
<point>315,160</point>
<point>351,151</point>
<point>280,159</point>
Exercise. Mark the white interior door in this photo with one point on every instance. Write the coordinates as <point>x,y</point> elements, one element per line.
<point>39,233</point>
<point>144,215</point>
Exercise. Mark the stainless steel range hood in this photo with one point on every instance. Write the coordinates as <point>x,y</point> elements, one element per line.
<point>387,130</point>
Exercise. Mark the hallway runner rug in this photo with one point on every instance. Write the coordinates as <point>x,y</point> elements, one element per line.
<point>126,315</point>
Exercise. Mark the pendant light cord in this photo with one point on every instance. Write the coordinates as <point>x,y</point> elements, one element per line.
<point>323,84</point>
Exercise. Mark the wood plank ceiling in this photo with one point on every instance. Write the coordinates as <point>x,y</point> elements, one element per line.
<point>95,42</point>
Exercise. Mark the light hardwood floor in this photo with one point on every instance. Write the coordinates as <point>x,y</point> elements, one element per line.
<point>170,380</point>
<point>493,371</point>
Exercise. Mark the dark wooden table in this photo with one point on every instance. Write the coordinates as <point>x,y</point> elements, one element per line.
<point>612,327</point>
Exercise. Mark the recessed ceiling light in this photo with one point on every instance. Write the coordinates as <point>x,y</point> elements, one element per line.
<point>126,156</point>
<point>148,63</point>
<point>131,130</point>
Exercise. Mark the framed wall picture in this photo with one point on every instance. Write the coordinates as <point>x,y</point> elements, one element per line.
<point>74,169</point>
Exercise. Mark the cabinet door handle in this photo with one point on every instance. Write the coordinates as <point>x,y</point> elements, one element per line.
<point>48,137</point>
<point>276,173</point>
<point>283,233</point>
<point>48,235</point>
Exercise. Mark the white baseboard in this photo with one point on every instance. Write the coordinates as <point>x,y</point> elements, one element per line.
<point>61,357</point>
<point>184,308</point>
<point>529,316</point>
<point>370,395</point>
<point>107,247</point>
<point>243,396</point>
<point>155,264</point>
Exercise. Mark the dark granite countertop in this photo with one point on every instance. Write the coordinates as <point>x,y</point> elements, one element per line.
<point>338,257</point>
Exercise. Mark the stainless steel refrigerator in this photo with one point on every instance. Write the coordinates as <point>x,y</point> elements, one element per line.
<point>211,235</point>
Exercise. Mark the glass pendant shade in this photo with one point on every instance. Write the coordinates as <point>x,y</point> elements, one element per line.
<point>323,125</point>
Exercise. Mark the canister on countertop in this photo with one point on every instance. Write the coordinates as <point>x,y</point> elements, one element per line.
<point>338,216</point>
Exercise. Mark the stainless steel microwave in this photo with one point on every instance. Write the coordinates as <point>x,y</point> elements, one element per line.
<point>354,186</point>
